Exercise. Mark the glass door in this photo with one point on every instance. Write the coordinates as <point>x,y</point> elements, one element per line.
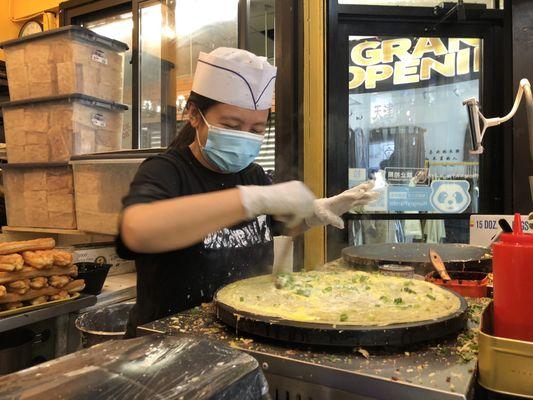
<point>408,129</point>
<point>156,75</point>
<point>396,115</point>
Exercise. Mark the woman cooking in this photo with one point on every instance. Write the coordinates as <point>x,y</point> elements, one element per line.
<point>201,215</point>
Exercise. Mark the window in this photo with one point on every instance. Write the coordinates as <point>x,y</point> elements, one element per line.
<point>417,3</point>
<point>201,25</point>
<point>119,27</point>
<point>151,32</point>
<point>407,124</point>
<point>261,38</point>
<point>171,34</point>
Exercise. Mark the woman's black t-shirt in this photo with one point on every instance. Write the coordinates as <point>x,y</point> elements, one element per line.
<point>171,282</point>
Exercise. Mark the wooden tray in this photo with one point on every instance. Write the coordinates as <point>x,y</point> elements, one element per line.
<point>24,309</point>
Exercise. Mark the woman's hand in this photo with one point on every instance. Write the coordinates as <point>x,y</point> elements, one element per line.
<point>173,224</point>
<point>289,202</point>
<point>328,211</point>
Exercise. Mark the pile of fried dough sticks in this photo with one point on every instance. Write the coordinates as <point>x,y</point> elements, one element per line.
<point>34,272</point>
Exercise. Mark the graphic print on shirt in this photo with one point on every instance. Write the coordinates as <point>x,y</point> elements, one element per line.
<point>253,233</point>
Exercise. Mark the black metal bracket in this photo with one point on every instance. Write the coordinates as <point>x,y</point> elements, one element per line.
<point>458,9</point>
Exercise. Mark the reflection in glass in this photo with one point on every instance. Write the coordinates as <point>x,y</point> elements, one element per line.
<point>201,25</point>
<point>120,28</point>
<point>407,124</point>
<point>408,231</point>
<point>261,40</point>
<point>150,35</point>
<point>413,3</point>
<point>261,24</point>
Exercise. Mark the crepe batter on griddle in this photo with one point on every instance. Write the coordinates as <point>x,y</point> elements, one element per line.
<point>342,298</point>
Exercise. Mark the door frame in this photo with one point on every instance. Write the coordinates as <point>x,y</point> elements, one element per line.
<point>495,180</point>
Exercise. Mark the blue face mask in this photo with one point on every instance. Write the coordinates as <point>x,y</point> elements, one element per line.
<point>230,150</point>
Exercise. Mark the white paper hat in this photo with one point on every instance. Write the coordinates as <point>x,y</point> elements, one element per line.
<point>236,77</point>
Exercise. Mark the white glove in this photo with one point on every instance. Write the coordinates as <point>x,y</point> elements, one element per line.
<point>328,211</point>
<point>289,202</point>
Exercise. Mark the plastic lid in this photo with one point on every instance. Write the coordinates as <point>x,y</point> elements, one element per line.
<point>87,100</point>
<point>35,165</point>
<point>518,236</point>
<point>78,31</point>
<point>118,155</point>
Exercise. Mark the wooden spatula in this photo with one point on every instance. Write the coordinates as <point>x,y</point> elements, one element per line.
<point>438,264</point>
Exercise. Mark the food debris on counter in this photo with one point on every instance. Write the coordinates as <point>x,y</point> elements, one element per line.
<point>447,364</point>
<point>430,364</point>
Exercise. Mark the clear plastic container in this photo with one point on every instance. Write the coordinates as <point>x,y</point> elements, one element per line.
<point>52,129</point>
<point>39,196</point>
<point>67,60</point>
<point>100,185</point>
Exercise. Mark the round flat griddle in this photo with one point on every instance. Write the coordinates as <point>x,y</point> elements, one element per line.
<point>455,256</point>
<point>342,335</point>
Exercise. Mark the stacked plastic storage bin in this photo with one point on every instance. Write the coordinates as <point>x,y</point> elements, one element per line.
<point>65,88</point>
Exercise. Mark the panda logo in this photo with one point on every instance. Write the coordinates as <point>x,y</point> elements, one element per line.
<point>450,196</point>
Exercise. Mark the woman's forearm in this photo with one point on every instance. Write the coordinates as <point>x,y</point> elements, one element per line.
<point>173,224</point>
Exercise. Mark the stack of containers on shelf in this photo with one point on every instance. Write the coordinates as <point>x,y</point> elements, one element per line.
<point>65,88</point>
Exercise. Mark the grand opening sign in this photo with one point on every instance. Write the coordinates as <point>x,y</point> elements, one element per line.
<point>381,64</point>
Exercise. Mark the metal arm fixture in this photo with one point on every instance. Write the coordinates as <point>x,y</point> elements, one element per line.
<point>458,8</point>
<point>479,124</point>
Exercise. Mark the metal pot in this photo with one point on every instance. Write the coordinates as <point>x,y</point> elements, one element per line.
<point>103,324</point>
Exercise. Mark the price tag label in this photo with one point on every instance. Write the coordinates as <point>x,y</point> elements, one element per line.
<point>98,120</point>
<point>484,227</point>
<point>99,57</point>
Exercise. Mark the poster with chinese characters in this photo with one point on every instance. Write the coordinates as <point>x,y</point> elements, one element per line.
<point>407,120</point>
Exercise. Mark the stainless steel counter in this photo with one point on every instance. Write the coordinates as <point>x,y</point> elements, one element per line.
<point>436,370</point>
<point>53,311</point>
<point>117,289</point>
<point>428,371</point>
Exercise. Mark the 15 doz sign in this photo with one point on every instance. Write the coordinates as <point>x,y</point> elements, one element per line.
<point>383,64</point>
